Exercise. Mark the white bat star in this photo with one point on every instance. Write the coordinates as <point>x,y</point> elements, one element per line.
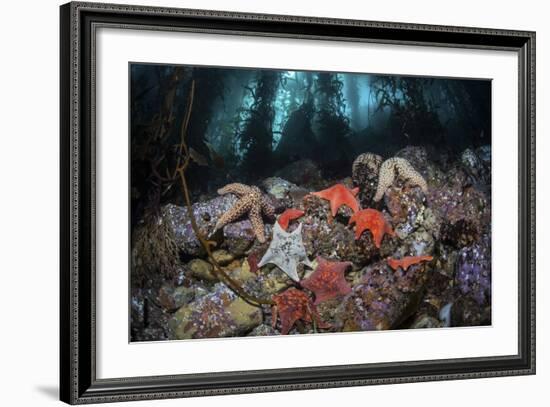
<point>286,251</point>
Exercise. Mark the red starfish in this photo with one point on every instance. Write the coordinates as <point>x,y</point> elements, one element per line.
<point>328,281</point>
<point>293,305</point>
<point>406,262</point>
<point>288,215</point>
<point>374,221</point>
<point>339,195</point>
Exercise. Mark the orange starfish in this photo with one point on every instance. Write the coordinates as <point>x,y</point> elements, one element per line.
<point>374,221</point>
<point>328,281</point>
<point>288,215</point>
<point>293,305</point>
<point>406,262</point>
<point>339,195</point>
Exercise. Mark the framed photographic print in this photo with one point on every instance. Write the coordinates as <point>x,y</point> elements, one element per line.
<point>257,203</point>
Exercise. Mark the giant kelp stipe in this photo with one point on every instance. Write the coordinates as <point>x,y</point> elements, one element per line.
<point>318,202</point>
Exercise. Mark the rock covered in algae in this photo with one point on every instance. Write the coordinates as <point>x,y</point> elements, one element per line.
<point>454,211</point>
<point>172,297</point>
<point>382,299</point>
<point>467,312</point>
<point>417,156</point>
<point>264,330</point>
<point>206,214</point>
<point>475,163</point>
<point>414,222</point>
<point>407,207</point>
<point>223,257</point>
<point>473,275</point>
<point>236,237</point>
<point>334,238</point>
<point>425,321</point>
<point>464,209</point>
<point>148,319</point>
<point>281,191</point>
<point>201,270</point>
<point>269,281</point>
<point>217,314</point>
<point>365,176</point>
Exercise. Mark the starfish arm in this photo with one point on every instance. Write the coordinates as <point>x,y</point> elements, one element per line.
<point>353,205</point>
<point>386,177</point>
<point>257,223</point>
<point>334,208</point>
<point>359,227</point>
<point>279,233</point>
<point>297,233</point>
<point>240,208</point>
<point>287,322</point>
<point>283,221</point>
<point>377,236</point>
<point>299,251</point>
<point>289,267</point>
<point>235,188</point>
<point>407,172</point>
<point>320,194</point>
<point>267,258</point>
<point>308,263</point>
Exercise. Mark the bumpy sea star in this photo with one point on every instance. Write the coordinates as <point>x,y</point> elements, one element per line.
<point>404,169</point>
<point>292,305</point>
<point>339,195</point>
<point>328,281</point>
<point>406,262</point>
<point>286,250</point>
<point>374,221</point>
<point>288,215</point>
<point>251,201</point>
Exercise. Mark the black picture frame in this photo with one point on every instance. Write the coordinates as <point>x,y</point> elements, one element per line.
<point>78,382</point>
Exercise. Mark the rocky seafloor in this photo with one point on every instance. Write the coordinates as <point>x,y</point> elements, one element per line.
<point>176,294</point>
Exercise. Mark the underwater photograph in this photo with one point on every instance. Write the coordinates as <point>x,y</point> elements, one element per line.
<point>281,202</point>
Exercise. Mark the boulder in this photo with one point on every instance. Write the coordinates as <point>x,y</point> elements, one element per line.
<point>206,214</point>
<point>217,314</point>
<point>383,299</point>
<point>473,276</point>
